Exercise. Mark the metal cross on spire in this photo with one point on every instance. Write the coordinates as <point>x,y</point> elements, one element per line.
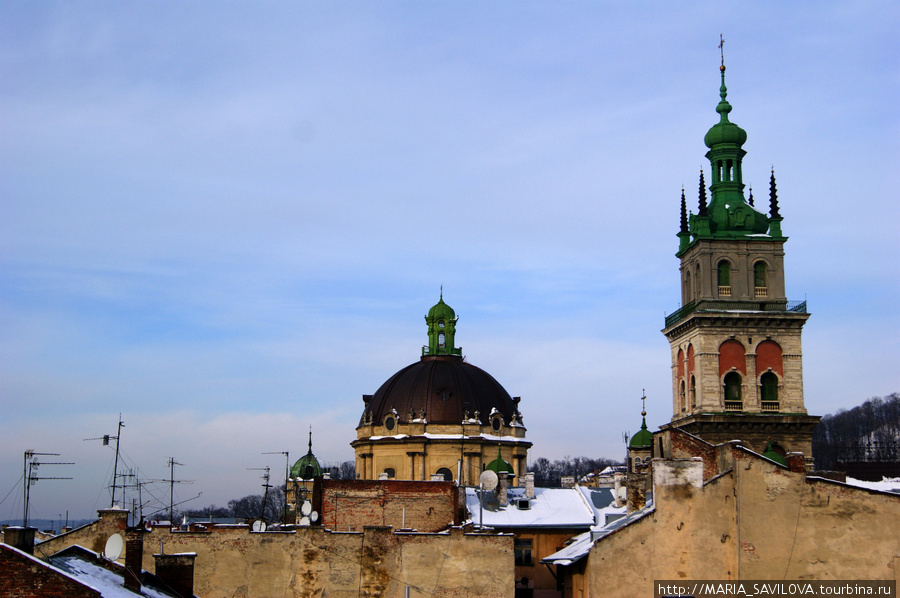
<point>722,48</point>
<point>643,401</point>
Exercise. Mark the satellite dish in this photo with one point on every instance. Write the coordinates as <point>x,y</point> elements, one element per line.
<point>259,525</point>
<point>488,479</point>
<point>306,508</point>
<point>114,546</point>
<point>304,521</point>
<point>314,516</point>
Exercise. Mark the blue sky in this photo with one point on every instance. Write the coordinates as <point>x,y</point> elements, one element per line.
<point>227,220</point>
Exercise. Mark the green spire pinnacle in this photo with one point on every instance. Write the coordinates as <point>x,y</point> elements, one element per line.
<point>498,465</point>
<point>644,438</point>
<point>441,320</point>
<point>307,467</point>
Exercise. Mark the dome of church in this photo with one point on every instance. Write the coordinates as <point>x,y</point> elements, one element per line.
<point>724,131</point>
<point>441,389</point>
<point>642,439</point>
<point>307,467</point>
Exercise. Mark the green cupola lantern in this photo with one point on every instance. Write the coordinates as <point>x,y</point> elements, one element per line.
<point>441,321</point>
<point>728,215</point>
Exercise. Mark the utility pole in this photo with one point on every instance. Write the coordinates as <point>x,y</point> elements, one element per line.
<point>172,481</point>
<point>106,438</point>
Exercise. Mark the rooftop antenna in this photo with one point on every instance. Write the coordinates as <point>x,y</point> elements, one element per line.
<point>287,461</point>
<point>30,477</point>
<point>266,485</point>
<point>106,438</point>
<point>172,481</point>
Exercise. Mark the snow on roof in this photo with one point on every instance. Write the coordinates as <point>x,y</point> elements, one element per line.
<point>885,485</point>
<point>108,583</point>
<point>550,507</point>
<point>581,544</point>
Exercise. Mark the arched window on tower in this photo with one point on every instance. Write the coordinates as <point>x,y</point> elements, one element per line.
<point>733,401</point>
<point>760,280</point>
<point>441,340</point>
<point>768,383</point>
<point>682,402</point>
<point>724,278</point>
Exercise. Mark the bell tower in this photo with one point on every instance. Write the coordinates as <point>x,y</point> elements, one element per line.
<point>735,342</point>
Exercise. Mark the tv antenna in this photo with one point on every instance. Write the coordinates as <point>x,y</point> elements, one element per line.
<point>266,485</point>
<point>30,476</point>
<point>106,438</point>
<point>287,470</point>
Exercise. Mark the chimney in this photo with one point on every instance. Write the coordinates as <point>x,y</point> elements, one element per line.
<point>529,485</point>
<point>636,484</point>
<point>134,557</point>
<point>796,462</point>
<point>177,572</point>
<point>20,537</point>
<point>619,480</point>
<point>502,488</point>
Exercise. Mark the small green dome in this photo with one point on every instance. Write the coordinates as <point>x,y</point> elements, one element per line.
<point>724,131</point>
<point>498,465</point>
<point>771,453</point>
<point>642,439</point>
<point>307,467</point>
<point>441,311</point>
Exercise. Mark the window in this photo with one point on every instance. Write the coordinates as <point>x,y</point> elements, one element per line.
<point>724,278</point>
<point>733,391</point>
<point>693,393</point>
<point>441,342</point>
<point>522,549</point>
<point>496,422</point>
<point>769,388</point>
<point>681,398</point>
<point>390,472</point>
<point>760,279</point>
<point>389,423</point>
<point>448,475</point>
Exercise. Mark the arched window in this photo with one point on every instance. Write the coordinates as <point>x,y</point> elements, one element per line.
<point>733,400</point>
<point>769,389</point>
<point>448,475</point>
<point>441,342</point>
<point>760,279</point>
<point>681,397</point>
<point>724,278</point>
<point>693,391</point>
<point>390,472</point>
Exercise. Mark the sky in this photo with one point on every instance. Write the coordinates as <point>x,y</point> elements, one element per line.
<point>226,221</point>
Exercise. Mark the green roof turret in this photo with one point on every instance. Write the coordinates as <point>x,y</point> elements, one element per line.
<point>644,438</point>
<point>498,465</point>
<point>441,320</point>
<point>771,453</point>
<point>307,467</point>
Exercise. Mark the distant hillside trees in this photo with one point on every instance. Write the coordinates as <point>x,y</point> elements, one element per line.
<point>548,474</point>
<point>868,433</point>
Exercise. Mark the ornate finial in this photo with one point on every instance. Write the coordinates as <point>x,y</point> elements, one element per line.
<point>310,440</point>
<point>722,51</point>
<point>442,292</point>
<point>750,199</point>
<point>702,210</point>
<point>684,221</point>
<point>773,197</point>
<point>643,402</point>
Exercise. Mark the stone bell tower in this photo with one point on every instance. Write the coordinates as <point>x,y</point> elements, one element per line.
<point>736,353</point>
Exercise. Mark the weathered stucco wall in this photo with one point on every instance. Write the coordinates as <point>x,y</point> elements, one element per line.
<point>232,561</point>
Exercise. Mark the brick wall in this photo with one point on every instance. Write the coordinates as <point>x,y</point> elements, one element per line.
<point>348,505</point>
<point>22,576</point>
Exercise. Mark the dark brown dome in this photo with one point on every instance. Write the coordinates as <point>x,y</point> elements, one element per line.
<point>446,388</point>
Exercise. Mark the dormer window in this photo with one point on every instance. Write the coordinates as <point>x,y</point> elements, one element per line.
<point>390,422</point>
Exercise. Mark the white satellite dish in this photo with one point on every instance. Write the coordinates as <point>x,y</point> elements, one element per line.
<point>314,516</point>
<point>114,546</point>
<point>304,521</point>
<point>488,479</point>
<point>306,508</point>
<point>259,525</point>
